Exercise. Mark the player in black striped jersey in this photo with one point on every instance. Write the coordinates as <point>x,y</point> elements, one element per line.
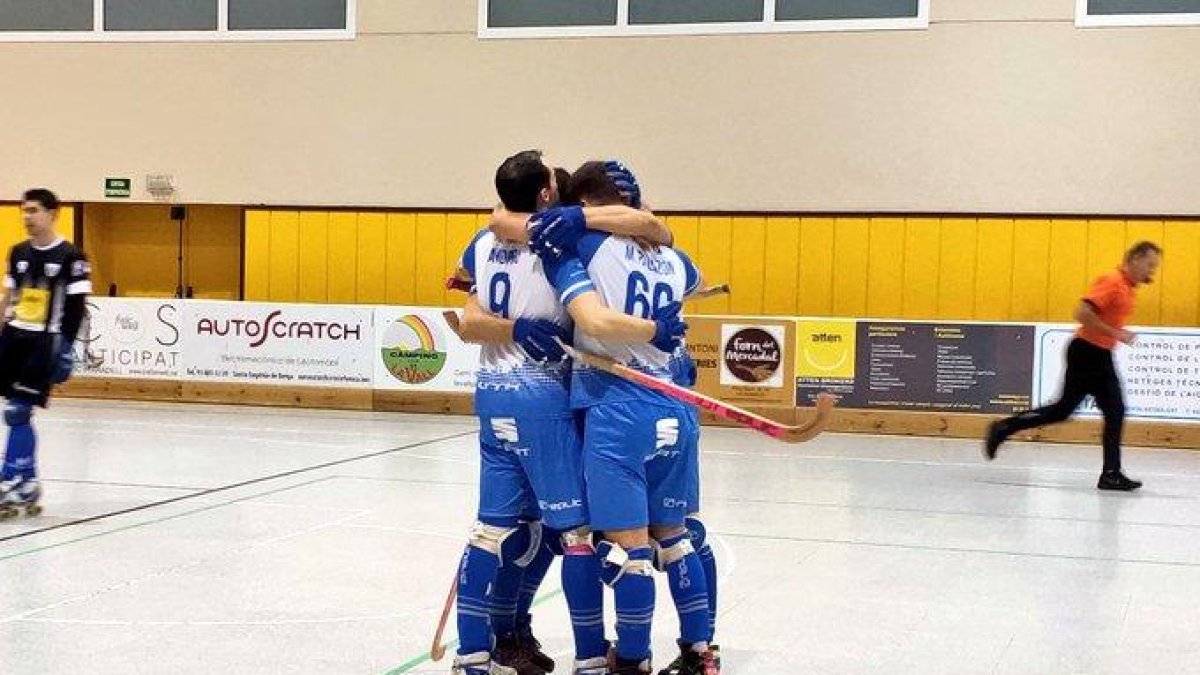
<point>46,288</point>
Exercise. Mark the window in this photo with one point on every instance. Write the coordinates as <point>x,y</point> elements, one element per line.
<point>539,13</point>
<point>287,14</point>
<point>46,15</point>
<point>694,11</point>
<point>824,10</point>
<point>153,15</point>
<point>559,18</point>
<point>179,20</point>
<point>1099,13</point>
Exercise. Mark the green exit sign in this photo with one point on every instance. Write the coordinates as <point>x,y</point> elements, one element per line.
<point>118,187</point>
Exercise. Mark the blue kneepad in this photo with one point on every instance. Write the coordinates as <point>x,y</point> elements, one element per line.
<point>18,413</point>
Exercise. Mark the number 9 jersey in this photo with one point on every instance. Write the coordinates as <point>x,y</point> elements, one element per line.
<point>510,283</point>
<point>636,280</point>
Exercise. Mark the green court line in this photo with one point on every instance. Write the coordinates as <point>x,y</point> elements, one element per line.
<point>163,519</point>
<point>421,659</point>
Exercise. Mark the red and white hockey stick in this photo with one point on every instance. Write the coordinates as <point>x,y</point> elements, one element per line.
<point>783,432</point>
<point>788,434</point>
<point>438,650</point>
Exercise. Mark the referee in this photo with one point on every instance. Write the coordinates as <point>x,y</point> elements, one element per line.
<point>1102,316</point>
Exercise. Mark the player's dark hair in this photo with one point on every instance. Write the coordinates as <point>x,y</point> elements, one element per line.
<point>519,180</point>
<point>46,198</point>
<point>563,178</point>
<point>590,183</point>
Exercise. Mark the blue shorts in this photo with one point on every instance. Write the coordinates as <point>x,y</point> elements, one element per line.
<point>531,468</point>
<point>690,445</point>
<point>637,466</point>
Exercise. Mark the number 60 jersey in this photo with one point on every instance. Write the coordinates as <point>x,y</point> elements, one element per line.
<point>633,279</point>
<point>510,283</point>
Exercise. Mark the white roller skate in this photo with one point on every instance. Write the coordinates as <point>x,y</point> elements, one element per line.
<point>20,495</point>
<point>479,663</point>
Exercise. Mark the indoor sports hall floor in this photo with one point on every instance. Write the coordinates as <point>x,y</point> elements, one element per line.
<point>202,539</point>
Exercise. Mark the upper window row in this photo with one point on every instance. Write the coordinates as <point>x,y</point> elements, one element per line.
<point>175,19</point>
<point>335,19</point>
<point>543,18</point>
<point>533,18</point>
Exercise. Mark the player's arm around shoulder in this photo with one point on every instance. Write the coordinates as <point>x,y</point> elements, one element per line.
<point>604,323</point>
<point>629,222</point>
<point>481,327</point>
<point>509,226</point>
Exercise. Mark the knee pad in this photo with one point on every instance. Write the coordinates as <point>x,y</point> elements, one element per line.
<point>616,563</point>
<point>664,556</point>
<point>577,541</point>
<point>495,539</point>
<point>17,412</point>
<point>696,531</point>
<point>536,537</point>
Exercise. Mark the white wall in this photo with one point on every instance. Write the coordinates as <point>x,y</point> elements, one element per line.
<point>998,107</point>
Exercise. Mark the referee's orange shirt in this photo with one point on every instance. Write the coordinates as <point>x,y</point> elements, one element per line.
<point>1112,297</point>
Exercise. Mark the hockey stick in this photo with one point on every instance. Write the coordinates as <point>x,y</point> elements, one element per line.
<point>456,283</point>
<point>438,650</point>
<point>788,434</point>
<point>710,292</point>
<point>782,432</point>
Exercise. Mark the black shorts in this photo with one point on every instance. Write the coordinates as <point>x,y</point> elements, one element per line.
<point>26,364</point>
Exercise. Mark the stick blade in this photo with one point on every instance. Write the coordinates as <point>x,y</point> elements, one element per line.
<point>437,650</point>
<point>814,427</point>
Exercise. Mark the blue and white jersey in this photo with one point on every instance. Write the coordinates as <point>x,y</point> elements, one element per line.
<point>510,283</point>
<point>637,282</point>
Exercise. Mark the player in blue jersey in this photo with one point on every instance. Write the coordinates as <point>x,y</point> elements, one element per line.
<point>639,473</point>
<point>530,449</point>
<point>683,373</point>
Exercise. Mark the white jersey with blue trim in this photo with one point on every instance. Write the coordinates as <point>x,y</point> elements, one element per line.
<point>510,283</point>
<point>633,280</point>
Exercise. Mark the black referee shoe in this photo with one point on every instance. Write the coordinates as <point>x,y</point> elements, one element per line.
<point>997,433</point>
<point>1115,480</point>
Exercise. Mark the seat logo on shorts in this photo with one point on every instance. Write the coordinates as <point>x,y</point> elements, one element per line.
<point>505,429</point>
<point>668,433</point>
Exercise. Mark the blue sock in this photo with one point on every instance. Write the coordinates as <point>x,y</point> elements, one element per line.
<point>535,572</point>
<point>689,589</point>
<point>475,575</point>
<point>502,601</point>
<point>506,588</point>
<point>634,598</point>
<point>709,562</point>
<point>19,453</point>
<point>585,598</point>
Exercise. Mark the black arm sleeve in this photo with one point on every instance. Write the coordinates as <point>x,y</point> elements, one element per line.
<point>73,311</point>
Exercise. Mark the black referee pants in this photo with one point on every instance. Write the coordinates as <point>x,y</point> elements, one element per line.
<point>1090,370</point>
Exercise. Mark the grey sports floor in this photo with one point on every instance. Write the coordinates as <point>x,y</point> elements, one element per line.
<point>201,539</point>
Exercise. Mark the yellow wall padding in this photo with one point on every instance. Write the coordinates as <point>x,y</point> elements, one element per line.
<point>971,268</point>
<point>363,257</point>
